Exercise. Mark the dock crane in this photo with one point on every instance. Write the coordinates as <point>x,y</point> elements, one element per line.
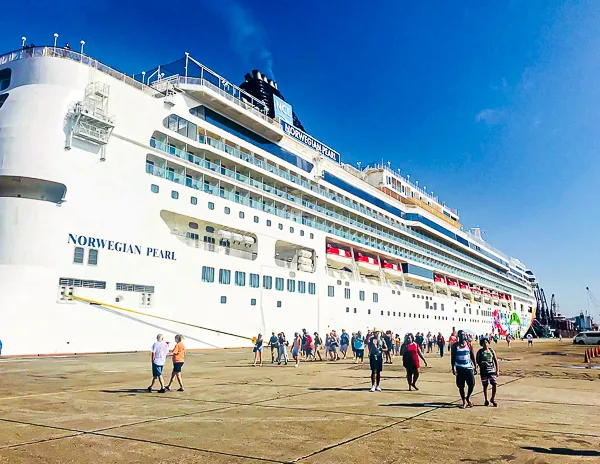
<point>592,301</point>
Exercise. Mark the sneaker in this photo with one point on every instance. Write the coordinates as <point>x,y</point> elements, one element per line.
<point>168,389</point>
<point>373,388</point>
<point>180,389</point>
<point>487,403</point>
<point>378,388</point>
<point>149,389</point>
<point>162,390</point>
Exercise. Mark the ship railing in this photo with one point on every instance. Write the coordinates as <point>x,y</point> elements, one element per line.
<point>56,52</point>
<point>233,94</point>
<point>270,189</point>
<point>328,227</point>
<point>331,228</point>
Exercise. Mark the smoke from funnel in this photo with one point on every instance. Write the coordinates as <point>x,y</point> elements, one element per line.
<point>248,37</point>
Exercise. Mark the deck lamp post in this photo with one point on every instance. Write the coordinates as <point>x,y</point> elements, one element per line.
<point>23,39</point>
<point>82,44</point>
<point>55,39</point>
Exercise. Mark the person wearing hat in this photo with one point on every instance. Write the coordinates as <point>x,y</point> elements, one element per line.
<point>464,367</point>
<point>488,369</point>
<point>377,349</point>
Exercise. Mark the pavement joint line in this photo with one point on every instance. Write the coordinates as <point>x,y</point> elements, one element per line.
<point>37,442</point>
<point>191,448</point>
<point>505,427</point>
<point>359,437</point>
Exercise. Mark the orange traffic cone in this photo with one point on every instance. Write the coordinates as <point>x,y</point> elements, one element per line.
<point>586,357</point>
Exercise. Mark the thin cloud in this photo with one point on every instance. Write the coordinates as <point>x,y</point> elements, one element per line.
<point>248,37</point>
<point>491,117</point>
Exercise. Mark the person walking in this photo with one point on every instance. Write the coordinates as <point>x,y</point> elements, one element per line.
<point>377,349</point>
<point>488,370</point>
<point>296,347</point>
<point>318,345</point>
<point>387,338</point>
<point>464,368</point>
<point>344,342</point>
<point>274,346</point>
<point>529,340</point>
<point>441,343</point>
<point>258,350</point>
<point>178,360</point>
<point>352,340</point>
<point>411,352</point>
<point>509,338</point>
<point>159,353</point>
<point>281,344</point>
<point>359,347</point>
<point>309,346</point>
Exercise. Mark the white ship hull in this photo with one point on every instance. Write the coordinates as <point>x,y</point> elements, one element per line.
<point>111,202</point>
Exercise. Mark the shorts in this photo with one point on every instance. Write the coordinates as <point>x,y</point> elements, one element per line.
<point>333,349</point>
<point>258,349</point>
<point>359,353</point>
<point>376,363</point>
<point>344,348</point>
<point>156,370</point>
<point>294,352</point>
<point>177,367</point>
<point>309,352</point>
<point>464,376</point>
<point>491,378</point>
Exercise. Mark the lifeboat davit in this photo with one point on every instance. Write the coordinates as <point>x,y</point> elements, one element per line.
<point>338,258</point>
<point>367,265</point>
<point>487,297</point>
<point>391,269</point>
<point>464,288</point>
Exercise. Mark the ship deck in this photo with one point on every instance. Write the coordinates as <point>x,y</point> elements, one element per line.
<point>95,409</point>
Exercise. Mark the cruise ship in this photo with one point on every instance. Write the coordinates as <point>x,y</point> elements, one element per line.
<point>176,202</point>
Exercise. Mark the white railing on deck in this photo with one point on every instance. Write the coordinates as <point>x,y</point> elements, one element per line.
<point>37,52</point>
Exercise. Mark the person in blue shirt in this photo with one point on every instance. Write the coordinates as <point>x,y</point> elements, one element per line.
<point>344,342</point>
<point>0,347</point>
<point>359,346</point>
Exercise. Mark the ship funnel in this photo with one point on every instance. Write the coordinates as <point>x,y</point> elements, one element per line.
<point>256,74</point>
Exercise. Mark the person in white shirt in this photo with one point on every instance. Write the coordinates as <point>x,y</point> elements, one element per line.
<point>160,350</point>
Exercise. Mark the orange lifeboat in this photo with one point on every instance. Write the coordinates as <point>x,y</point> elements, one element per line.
<point>338,258</point>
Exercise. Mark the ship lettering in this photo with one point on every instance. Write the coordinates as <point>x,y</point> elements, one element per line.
<point>123,247</point>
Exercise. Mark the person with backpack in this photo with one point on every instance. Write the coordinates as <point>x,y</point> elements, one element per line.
<point>488,370</point>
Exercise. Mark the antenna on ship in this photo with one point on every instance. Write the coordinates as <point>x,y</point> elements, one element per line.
<point>55,39</point>
<point>143,76</point>
<point>82,44</point>
<point>23,39</point>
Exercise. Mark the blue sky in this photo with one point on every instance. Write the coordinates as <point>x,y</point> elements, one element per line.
<point>494,108</point>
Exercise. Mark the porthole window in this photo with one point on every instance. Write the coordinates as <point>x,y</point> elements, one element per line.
<point>312,235</point>
<point>291,230</point>
<point>256,219</point>
<point>193,225</point>
<point>241,215</point>
<point>280,226</point>
<point>301,233</point>
<point>227,210</point>
<point>154,188</point>
<point>253,302</point>
<point>193,200</point>
<point>279,304</point>
<point>174,194</point>
<point>268,223</point>
<point>223,299</point>
<point>210,229</point>
<point>211,205</point>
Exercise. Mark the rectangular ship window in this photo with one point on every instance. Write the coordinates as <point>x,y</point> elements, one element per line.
<point>279,284</point>
<point>121,287</point>
<point>93,257</point>
<point>312,288</point>
<point>267,282</point>
<point>224,276</point>
<point>208,274</point>
<point>254,280</point>
<point>330,290</point>
<point>69,282</point>
<point>301,286</point>
<point>240,278</point>
<point>78,255</point>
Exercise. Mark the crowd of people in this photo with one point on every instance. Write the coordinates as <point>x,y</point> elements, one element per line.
<point>383,346</point>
